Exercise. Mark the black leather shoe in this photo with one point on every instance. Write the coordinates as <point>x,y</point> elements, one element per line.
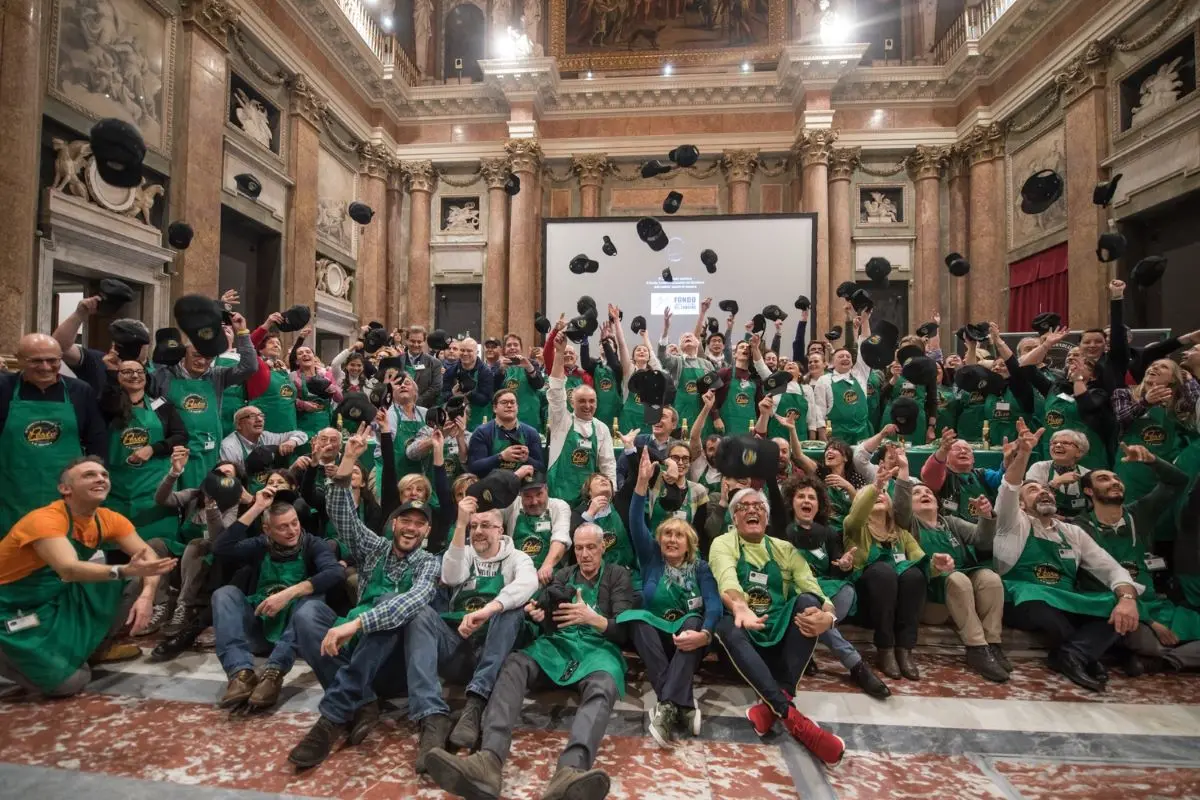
<point>365,720</point>
<point>316,744</point>
<point>1071,667</point>
<point>979,659</point>
<point>1001,659</point>
<point>172,646</point>
<point>908,667</point>
<point>886,661</point>
<point>869,682</point>
<point>1133,666</point>
<point>1097,670</point>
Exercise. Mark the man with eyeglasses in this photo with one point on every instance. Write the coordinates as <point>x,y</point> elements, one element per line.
<point>251,433</point>
<point>46,422</point>
<point>505,442</point>
<point>488,583</point>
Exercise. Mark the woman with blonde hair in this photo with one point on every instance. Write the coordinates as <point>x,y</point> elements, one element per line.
<point>463,482</point>
<point>1156,414</point>
<point>680,611</point>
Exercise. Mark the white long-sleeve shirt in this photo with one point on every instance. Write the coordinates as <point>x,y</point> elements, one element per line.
<point>1014,526</point>
<point>562,420</point>
<point>560,520</point>
<point>520,576</point>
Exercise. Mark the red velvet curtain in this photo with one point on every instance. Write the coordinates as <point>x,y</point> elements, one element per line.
<point>1037,284</point>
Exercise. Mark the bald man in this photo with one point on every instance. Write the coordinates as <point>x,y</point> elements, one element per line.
<point>579,443</point>
<point>47,421</point>
<point>479,397</point>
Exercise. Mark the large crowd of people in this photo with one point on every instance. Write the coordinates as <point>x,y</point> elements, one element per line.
<point>429,510</point>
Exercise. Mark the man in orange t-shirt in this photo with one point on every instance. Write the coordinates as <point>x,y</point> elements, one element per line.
<point>57,607</point>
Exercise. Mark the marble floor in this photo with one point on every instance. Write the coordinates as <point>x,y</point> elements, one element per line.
<point>152,730</point>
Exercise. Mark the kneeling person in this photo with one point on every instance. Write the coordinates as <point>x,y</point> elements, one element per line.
<point>287,564</point>
<point>490,582</point>
<point>583,650</point>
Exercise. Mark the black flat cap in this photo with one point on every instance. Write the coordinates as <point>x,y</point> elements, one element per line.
<point>709,259</point>
<point>1148,271</point>
<point>667,276</point>
<point>834,333</point>
<point>878,269</point>
<point>581,327</point>
<point>1046,321</point>
<point>904,354</point>
<point>129,336</point>
<point>581,264</point>
<point>776,383</point>
<point>1110,247</point>
<point>957,265</point>
<point>977,331</point>
<point>650,231</point>
<point>861,301</point>
<point>168,347</point>
<point>748,457</point>
<point>1105,191</point>
<point>685,155</point>
<point>585,304</point>
<point>652,169</point>
<point>541,324</point>
<point>355,409</point>
<point>650,385</point>
<point>200,318</point>
<point>374,339</point>
<point>974,378</point>
<point>927,330</point>
<point>119,151</point>
<point>179,235</point>
<point>713,326</point>
<point>113,295</point>
<point>295,318</point>
<point>261,458</point>
<point>512,186</point>
<point>498,489</point>
<point>845,289</point>
<point>877,352</point>
<point>921,370</point>
<point>729,306</point>
<point>904,415</point>
<point>709,381</point>
<point>318,385</point>
<point>248,185</point>
<point>1040,190</point>
<point>438,339</point>
<point>758,324</point>
<point>225,490</point>
<point>672,202</point>
<point>638,325</point>
<point>609,249</point>
<point>361,213</point>
<point>803,303</point>
<point>774,313</point>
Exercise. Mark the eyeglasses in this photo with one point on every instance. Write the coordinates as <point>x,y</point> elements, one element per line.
<point>484,525</point>
<point>252,416</point>
<point>131,373</point>
<point>680,459</point>
<point>749,505</point>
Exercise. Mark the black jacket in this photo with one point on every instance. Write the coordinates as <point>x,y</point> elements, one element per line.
<point>614,595</point>
<point>237,547</point>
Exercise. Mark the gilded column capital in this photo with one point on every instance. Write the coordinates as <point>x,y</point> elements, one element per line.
<point>420,175</point>
<point>1088,70</point>
<point>524,155</point>
<point>590,168</point>
<point>815,147</point>
<point>843,161</point>
<point>984,143</point>
<point>739,165</point>
<point>375,160</point>
<point>304,100</point>
<point>927,162</point>
<point>495,171</point>
<point>217,18</point>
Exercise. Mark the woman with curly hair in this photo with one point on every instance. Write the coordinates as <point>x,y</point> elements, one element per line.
<point>1156,414</point>
<point>842,480</point>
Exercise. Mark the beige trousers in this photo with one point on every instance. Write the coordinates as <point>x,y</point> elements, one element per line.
<point>975,603</point>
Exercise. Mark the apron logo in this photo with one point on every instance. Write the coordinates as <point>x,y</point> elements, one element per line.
<point>195,403</point>
<point>570,396</point>
<point>42,433</point>
<point>690,388</point>
<point>973,506</point>
<point>672,615</point>
<point>742,400</point>
<point>1154,435</point>
<point>1001,413</point>
<point>609,540</point>
<point>637,398</point>
<point>606,385</point>
<point>287,390</point>
<point>532,547</point>
<point>135,438</point>
<point>1131,568</point>
<point>487,495</point>
<point>579,458</point>
<point>474,604</point>
<point>870,390</point>
<point>511,383</point>
<point>1047,573</point>
<point>275,588</point>
<point>759,600</point>
<point>850,396</point>
<point>943,401</point>
<point>1054,419</point>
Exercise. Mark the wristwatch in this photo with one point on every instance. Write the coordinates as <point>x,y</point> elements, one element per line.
<point>1125,595</point>
<point>114,572</point>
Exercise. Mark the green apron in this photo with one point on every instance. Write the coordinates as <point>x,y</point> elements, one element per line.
<point>576,461</point>
<point>500,444</point>
<point>710,479</point>
<point>531,535</point>
<point>73,619</point>
<point>947,416</point>
<point>943,540</point>
<point>632,412</point>
<point>687,400</point>
<point>739,411</point>
<point>1047,571</point>
<point>232,397</point>
<point>134,485</point>
<point>1158,432</point>
<point>959,493</point>
<point>1003,411</point>
<point>275,576</point>
<point>196,401</point>
<point>476,414</point>
<point>839,507</point>
<point>312,422</point>
<point>656,515</point>
<point>789,401</point>
<point>529,402</point>
<point>1069,504</point>
<point>972,410</point>
<point>572,383</point>
<point>911,391</point>
<point>818,562</point>
<point>257,482</point>
<point>278,403</point>
<point>874,395</point>
<point>618,548</point>
<point>406,431</point>
<point>571,654</point>
<point>766,593</point>
<point>893,554</point>
<point>378,586</point>
<point>1062,414</point>
<point>670,606</point>
<point>38,441</point>
<point>849,412</point>
<point>608,394</point>
<point>473,595</point>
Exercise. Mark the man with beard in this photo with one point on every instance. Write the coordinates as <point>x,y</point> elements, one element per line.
<point>1039,559</point>
<point>579,444</point>
<point>506,442</point>
<point>584,651</point>
<point>397,579</point>
<point>540,525</point>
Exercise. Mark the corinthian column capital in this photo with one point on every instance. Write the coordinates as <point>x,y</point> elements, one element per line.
<point>842,162</point>
<point>495,171</point>
<point>815,147</point>
<point>524,155</point>
<point>927,162</point>
<point>739,165</point>
<point>984,143</point>
<point>420,174</point>
<point>217,18</point>
<point>374,160</point>
<point>591,168</point>
<point>304,100</point>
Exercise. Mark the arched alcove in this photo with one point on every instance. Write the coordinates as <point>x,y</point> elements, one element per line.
<point>464,38</point>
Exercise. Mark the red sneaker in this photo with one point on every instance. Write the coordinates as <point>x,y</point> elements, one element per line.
<point>762,717</point>
<point>821,743</point>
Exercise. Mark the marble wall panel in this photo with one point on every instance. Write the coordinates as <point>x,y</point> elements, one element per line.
<point>634,202</point>
<point>772,198</point>
<point>560,202</point>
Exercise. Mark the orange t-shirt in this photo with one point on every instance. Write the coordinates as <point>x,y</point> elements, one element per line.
<point>18,559</point>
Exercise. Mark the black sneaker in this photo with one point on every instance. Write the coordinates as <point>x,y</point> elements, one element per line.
<point>316,744</point>
<point>172,646</point>
<point>435,729</point>
<point>1001,659</point>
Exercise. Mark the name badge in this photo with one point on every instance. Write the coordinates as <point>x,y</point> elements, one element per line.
<point>758,577</point>
<point>22,623</point>
<point>542,525</point>
<point>584,444</point>
<point>1078,502</point>
<point>210,445</point>
<point>745,384</point>
<point>1156,563</point>
<point>950,505</point>
<point>897,557</point>
<point>1066,553</point>
<point>418,367</point>
<point>1002,407</point>
<point>680,514</point>
<point>469,586</point>
<point>695,603</point>
<point>818,553</point>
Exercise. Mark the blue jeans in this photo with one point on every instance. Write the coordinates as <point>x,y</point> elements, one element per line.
<point>240,633</point>
<point>843,601</point>
<point>434,646</point>
<point>373,663</point>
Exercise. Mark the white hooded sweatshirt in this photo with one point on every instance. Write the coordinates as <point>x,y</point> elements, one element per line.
<point>520,576</point>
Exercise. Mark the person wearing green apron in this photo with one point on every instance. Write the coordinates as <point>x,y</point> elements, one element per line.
<point>1062,413</point>
<point>775,610</point>
<point>232,397</point>
<point>950,472</point>
<point>488,582</point>
<point>581,650</point>
<point>947,416</point>
<point>849,415</point>
<point>1063,469</point>
<point>505,442</point>
<point>608,392</point>
<point>579,443</point>
<point>526,381</point>
<point>247,445</point>
<point>57,607</point>
<point>196,389</point>
<point>541,527</point>
<point>138,458</point>
<point>972,412</point>
<point>278,403</point>
<point>405,420</point>
<point>360,656</point>
<point>1160,431</point>
<point>1040,559</point>
<point>679,614</point>
<point>969,594</point>
<point>793,402</point>
<point>739,406</point>
<point>476,377</point>
<point>684,369</point>
<point>874,386</point>
<point>289,566</point>
<point>313,413</point>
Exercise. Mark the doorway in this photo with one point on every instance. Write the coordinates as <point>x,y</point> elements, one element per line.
<point>459,308</point>
<point>891,302</point>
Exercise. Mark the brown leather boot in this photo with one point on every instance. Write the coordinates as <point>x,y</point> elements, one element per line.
<point>908,667</point>
<point>240,687</point>
<point>266,693</point>
<point>886,661</point>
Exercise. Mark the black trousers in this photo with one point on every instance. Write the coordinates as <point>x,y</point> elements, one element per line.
<point>892,603</point>
<point>669,669</point>
<point>1087,637</point>
<point>766,668</point>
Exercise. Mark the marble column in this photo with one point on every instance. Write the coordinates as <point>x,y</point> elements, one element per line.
<point>989,270</point>
<point>590,168</point>
<point>374,164</point>
<point>421,182</point>
<point>739,167</point>
<point>396,307</point>
<point>841,251</point>
<point>202,75</point>
<point>958,232</point>
<point>925,169</point>
<point>20,70</point>
<point>1086,135</point>
<point>816,149</point>
<point>495,272</point>
<point>300,237</point>
<point>525,160</point>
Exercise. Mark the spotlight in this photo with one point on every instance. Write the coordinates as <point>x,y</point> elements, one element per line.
<point>835,28</point>
<point>668,69</point>
<point>746,66</point>
<point>386,22</point>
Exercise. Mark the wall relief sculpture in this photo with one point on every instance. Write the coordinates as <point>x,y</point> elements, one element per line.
<point>1157,84</point>
<point>336,188</point>
<point>460,215</point>
<point>75,174</point>
<point>252,118</point>
<point>333,279</point>
<point>1158,92</point>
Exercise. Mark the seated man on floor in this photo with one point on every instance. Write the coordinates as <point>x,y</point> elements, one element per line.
<point>540,525</point>
<point>489,583</point>
<point>1040,557</point>
<point>580,648</point>
<point>397,578</point>
<point>950,472</point>
<point>60,610</point>
<point>286,564</point>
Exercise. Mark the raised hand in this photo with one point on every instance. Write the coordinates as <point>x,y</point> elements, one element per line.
<point>943,563</point>
<point>1135,454</point>
<point>179,458</point>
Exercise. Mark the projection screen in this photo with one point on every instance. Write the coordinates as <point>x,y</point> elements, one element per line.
<point>761,260</point>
